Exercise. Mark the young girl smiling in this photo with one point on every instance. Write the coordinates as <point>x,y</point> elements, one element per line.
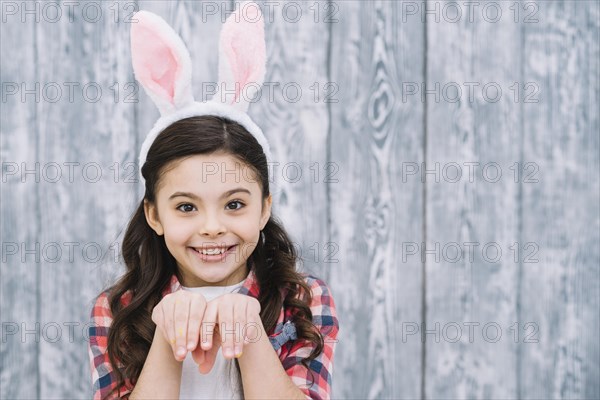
<point>211,285</point>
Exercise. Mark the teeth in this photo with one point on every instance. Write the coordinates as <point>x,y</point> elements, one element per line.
<point>213,251</point>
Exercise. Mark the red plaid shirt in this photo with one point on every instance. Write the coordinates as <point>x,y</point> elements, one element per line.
<point>283,338</point>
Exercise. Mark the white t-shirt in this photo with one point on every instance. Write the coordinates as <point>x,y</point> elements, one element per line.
<point>222,382</point>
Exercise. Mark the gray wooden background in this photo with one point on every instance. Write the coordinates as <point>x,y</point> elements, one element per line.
<point>499,99</point>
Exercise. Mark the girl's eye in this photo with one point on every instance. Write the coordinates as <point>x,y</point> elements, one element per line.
<point>234,202</point>
<point>190,207</point>
<point>185,205</point>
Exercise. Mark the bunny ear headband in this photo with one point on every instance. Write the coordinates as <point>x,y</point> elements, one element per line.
<point>162,65</point>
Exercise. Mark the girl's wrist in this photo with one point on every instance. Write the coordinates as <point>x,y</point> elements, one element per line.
<point>161,374</point>
<point>256,343</point>
<point>158,338</point>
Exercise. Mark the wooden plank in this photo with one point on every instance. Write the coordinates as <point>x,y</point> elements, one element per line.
<point>470,289</point>
<point>84,214</point>
<point>373,212</point>
<point>560,292</point>
<point>20,211</point>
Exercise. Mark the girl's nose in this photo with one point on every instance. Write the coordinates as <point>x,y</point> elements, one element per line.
<point>212,226</point>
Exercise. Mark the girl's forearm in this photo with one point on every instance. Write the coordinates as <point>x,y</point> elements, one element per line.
<point>161,375</point>
<point>258,361</point>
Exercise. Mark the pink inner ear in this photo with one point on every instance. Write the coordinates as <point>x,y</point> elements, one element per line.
<point>244,47</point>
<point>155,64</point>
<point>240,69</point>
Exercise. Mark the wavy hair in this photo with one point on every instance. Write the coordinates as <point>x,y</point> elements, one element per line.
<point>149,264</point>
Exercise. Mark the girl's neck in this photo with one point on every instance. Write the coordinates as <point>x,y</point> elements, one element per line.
<point>245,276</point>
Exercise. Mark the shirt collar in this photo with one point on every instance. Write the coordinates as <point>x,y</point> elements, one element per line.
<point>249,287</point>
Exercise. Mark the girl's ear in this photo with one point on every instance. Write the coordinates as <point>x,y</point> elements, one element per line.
<point>266,213</point>
<point>152,218</point>
<point>161,62</point>
<point>242,56</point>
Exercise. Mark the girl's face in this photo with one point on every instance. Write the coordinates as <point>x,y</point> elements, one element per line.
<point>209,200</point>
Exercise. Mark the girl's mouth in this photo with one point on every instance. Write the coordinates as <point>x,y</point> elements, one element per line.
<point>214,257</point>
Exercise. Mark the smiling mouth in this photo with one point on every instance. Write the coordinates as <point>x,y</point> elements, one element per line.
<point>213,252</point>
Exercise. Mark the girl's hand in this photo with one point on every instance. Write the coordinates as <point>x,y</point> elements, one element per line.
<point>230,321</point>
<point>179,316</point>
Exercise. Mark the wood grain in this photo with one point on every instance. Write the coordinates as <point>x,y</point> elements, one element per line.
<point>479,212</point>
<point>561,291</point>
<point>20,214</point>
<point>95,131</point>
<point>372,211</point>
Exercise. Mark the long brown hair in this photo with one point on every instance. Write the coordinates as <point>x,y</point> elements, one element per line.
<point>149,265</point>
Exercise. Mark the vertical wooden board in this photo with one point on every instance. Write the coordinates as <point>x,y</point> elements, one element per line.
<point>373,211</point>
<point>293,114</point>
<point>560,213</point>
<point>471,300</point>
<point>406,58</point>
<point>83,211</point>
<point>19,280</point>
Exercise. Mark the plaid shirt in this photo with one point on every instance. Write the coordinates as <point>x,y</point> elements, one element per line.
<point>283,338</point>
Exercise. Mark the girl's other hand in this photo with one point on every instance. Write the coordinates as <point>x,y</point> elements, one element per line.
<point>179,316</point>
<point>236,317</point>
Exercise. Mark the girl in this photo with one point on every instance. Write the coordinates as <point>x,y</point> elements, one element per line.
<point>211,305</point>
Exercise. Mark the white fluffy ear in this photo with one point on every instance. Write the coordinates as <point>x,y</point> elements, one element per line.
<point>242,57</point>
<point>161,62</point>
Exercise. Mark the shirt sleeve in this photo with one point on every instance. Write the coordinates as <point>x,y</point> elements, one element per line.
<point>321,368</point>
<point>103,377</point>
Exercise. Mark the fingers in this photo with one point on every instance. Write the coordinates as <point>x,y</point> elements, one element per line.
<point>226,329</point>
<point>199,355</point>
<point>208,324</point>
<point>168,324</point>
<point>158,318</point>
<point>181,312</point>
<point>240,318</point>
<point>197,310</point>
<point>210,356</point>
<point>251,330</point>
<point>173,314</point>
<point>210,338</point>
<point>232,320</point>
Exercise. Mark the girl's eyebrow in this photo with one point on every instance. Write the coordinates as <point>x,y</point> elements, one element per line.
<point>193,196</point>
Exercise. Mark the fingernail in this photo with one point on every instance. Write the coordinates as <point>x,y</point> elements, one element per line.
<point>228,352</point>
<point>238,351</point>
<point>190,346</point>
<point>181,351</point>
